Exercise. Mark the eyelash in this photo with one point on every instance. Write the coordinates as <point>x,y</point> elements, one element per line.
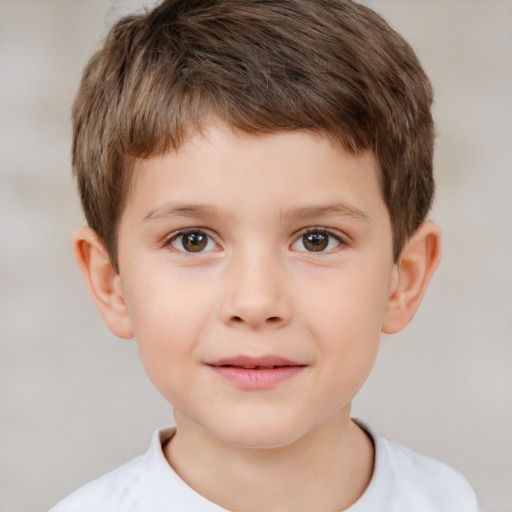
<point>324,231</point>
<point>182,233</point>
<point>210,239</point>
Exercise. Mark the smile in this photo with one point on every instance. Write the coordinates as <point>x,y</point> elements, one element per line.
<point>256,373</point>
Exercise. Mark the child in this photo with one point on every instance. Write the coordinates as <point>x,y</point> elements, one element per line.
<point>256,177</point>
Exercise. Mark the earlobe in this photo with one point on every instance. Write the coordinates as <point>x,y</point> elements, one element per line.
<point>102,281</point>
<point>418,261</point>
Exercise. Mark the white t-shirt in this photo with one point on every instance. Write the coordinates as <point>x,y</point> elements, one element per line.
<point>402,481</point>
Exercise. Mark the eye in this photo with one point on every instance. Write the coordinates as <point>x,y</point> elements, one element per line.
<point>317,240</point>
<point>192,241</point>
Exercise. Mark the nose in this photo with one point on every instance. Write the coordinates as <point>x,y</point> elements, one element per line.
<point>256,293</point>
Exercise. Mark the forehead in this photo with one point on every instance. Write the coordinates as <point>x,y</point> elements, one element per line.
<point>234,170</point>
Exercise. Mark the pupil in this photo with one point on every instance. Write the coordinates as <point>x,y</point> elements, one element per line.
<point>315,241</point>
<point>194,242</point>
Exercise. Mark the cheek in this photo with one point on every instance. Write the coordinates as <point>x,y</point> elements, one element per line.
<point>168,317</point>
<point>350,338</point>
<point>166,305</point>
<point>347,303</point>
<point>345,314</point>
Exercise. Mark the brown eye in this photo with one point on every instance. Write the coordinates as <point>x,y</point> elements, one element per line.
<point>315,242</point>
<point>193,241</point>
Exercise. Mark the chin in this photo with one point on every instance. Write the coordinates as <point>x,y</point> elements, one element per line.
<point>259,441</point>
<point>258,435</point>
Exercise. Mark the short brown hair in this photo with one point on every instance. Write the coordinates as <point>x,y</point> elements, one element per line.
<point>261,66</point>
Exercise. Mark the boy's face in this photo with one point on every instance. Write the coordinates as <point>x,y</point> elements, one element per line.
<point>271,251</point>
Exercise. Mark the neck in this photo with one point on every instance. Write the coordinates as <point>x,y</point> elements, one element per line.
<point>327,469</point>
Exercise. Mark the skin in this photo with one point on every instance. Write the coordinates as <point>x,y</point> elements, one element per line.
<point>256,288</point>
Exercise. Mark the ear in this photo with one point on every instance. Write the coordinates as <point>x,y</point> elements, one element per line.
<point>103,282</point>
<point>416,264</point>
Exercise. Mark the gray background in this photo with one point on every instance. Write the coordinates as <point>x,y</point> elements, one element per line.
<point>75,401</point>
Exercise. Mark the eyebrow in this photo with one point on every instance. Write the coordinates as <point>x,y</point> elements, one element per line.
<point>327,210</point>
<point>181,210</point>
<point>304,212</point>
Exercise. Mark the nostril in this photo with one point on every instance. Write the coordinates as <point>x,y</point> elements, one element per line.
<point>270,320</point>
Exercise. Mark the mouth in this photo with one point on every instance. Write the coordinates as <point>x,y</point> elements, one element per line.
<point>256,372</point>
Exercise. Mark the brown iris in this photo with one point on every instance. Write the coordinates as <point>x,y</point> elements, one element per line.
<point>194,241</point>
<point>315,241</point>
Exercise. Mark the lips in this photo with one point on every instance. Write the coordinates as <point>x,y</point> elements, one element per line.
<point>256,372</point>
<point>248,362</point>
